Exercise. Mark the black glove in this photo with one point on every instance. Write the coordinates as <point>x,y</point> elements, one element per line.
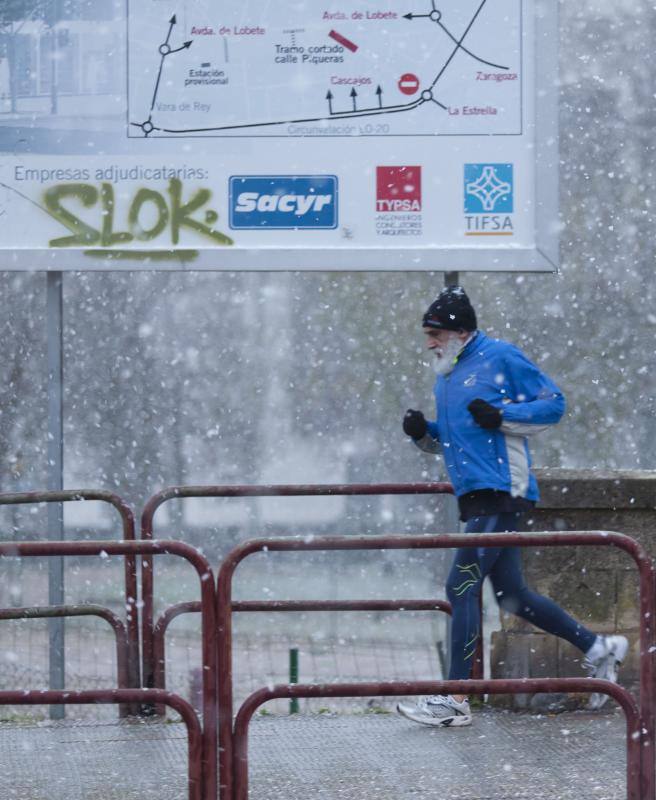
<point>414,424</point>
<point>484,414</point>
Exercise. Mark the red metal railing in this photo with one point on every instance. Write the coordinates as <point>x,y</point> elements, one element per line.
<point>282,490</point>
<point>633,548</point>
<point>162,624</point>
<point>208,603</point>
<point>128,697</point>
<point>127,517</point>
<point>636,788</point>
<point>86,610</point>
<point>159,641</point>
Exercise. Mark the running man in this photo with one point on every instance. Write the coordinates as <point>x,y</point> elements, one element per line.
<point>490,399</point>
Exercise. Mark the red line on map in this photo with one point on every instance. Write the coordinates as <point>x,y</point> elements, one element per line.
<point>343,41</point>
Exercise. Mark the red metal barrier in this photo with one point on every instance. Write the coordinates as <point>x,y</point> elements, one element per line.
<point>162,624</point>
<point>282,490</point>
<point>208,600</point>
<point>633,548</point>
<point>87,610</point>
<point>636,788</point>
<point>159,641</point>
<point>131,697</point>
<point>127,517</point>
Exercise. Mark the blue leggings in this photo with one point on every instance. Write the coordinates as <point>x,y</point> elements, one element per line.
<point>502,564</point>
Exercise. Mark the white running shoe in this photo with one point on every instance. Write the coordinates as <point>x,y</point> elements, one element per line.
<point>439,710</point>
<point>603,660</point>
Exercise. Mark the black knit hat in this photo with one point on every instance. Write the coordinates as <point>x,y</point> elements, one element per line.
<point>452,311</point>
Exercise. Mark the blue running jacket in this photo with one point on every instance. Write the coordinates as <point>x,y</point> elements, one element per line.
<point>476,458</point>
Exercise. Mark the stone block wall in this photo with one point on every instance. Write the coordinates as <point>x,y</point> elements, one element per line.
<point>598,586</point>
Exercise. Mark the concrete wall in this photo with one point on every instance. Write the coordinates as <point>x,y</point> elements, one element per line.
<point>598,586</point>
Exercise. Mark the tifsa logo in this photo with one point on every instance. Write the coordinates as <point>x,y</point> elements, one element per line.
<point>283,202</point>
<point>489,199</point>
<point>488,188</point>
<point>398,189</point>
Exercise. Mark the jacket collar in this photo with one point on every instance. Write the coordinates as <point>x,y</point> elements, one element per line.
<point>472,345</point>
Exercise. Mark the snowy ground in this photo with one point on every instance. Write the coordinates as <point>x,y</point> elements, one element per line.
<point>337,757</point>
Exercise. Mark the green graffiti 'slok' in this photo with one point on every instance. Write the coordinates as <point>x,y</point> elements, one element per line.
<point>173,213</point>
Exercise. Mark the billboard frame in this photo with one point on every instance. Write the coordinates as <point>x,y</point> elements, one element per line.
<point>542,257</point>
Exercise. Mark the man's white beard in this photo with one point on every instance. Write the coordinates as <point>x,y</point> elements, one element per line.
<point>449,353</point>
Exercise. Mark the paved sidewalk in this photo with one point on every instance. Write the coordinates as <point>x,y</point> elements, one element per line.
<point>501,756</point>
<point>330,757</point>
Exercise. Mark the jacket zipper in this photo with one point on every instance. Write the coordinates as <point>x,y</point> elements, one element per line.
<point>446,416</point>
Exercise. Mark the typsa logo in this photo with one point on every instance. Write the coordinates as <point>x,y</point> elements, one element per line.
<point>398,189</point>
<point>489,201</point>
<point>283,202</point>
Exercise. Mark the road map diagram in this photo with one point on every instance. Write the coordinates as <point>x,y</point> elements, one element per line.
<point>288,134</point>
<point>237,68</point>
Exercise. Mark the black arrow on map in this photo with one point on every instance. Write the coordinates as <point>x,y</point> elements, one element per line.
<point>379,92</point>
<point>329,98</point>
<point>354,94</point>
<point>185,46</point>
<point>164,51</point>
<point>172,22</point>
<point>414,16</point>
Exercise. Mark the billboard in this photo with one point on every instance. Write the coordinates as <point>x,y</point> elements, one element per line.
<point>186,134</point>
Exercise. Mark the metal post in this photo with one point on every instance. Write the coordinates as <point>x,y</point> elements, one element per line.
<point>293,678</point>
<point>451,278</point>
<point>55,479</point>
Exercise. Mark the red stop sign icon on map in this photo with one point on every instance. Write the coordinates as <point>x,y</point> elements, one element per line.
<point>409,83</point>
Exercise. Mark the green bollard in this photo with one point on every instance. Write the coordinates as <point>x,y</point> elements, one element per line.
<point>293,677</point>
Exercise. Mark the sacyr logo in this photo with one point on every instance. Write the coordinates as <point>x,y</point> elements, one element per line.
<point>488,188</point>
<point>283,202</point>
